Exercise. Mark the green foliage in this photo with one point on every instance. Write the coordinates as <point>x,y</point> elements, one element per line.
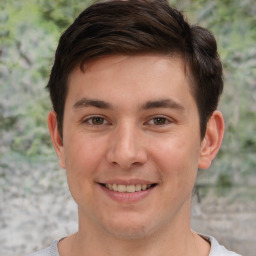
<point>60,12</point>
<point>29,31</point>
<point>224,180</point>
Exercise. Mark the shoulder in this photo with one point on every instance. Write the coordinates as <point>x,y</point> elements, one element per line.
<point>52,250</point>
<point>217,249</point>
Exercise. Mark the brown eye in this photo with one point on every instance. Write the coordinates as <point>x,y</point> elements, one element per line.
<point>159,121</point>
<point>97,120</point>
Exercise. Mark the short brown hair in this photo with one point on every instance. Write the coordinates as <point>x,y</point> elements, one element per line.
<point>133,27</point>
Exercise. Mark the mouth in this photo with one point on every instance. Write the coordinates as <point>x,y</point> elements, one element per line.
<point>128,188</point>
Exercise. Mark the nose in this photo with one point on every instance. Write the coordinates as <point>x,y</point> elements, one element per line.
<point>126,148</point>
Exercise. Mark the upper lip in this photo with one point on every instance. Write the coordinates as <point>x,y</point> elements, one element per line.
<point>127,181</point>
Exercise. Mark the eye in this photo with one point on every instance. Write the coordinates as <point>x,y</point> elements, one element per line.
<point>159,121</point>
<point>95,120</point>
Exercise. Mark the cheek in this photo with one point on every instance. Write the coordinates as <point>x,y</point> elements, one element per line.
<point>82,158</point>
<point>177,160</point>
<point>83,152</point>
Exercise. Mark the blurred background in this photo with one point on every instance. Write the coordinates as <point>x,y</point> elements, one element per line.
<point>35,204</point>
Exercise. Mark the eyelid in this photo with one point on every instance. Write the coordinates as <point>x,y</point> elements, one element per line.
<point>89,118</point>
<point>168,120</point>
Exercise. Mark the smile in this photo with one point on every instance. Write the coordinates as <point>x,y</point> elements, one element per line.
<point>128,188</point>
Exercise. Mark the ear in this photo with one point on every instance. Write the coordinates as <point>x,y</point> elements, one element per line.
<point>212,140</point>
<point>56,138</point>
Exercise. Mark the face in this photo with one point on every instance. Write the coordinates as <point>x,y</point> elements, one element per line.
<point>131,144</point>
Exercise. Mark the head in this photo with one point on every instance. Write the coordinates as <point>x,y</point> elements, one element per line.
<point>132,28</point>
<point>134,89</point>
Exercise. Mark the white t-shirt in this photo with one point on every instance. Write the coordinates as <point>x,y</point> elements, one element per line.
<point>216,249</point>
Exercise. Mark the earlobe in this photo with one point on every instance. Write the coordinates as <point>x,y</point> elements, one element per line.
<point>56,137</point>
<point>212,140</point>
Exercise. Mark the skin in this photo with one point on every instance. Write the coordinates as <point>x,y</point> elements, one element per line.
<point>133,119</point>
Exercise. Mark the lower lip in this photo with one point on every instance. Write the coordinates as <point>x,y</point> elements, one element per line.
<point>127,197</point>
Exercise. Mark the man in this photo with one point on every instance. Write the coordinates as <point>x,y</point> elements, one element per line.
<point>135,89</point>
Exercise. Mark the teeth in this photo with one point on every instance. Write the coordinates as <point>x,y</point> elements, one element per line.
<point>138,187</point>
<point>128,188</point>
<point>144,187</point>
<point>121,188</point>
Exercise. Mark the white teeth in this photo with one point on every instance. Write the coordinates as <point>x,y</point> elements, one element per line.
<point>128,188</point>
<point>114,187</point>
<point>121,188</point>
<point>138,187</point>
<point>144,187</point>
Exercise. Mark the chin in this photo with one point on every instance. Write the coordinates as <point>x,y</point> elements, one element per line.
<point>129,230</point>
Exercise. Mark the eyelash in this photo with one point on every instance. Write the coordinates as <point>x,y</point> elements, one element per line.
<point>90,120</point>
<point>162,118</point>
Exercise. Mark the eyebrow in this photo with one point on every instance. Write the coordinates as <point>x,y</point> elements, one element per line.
<point>164,103</point>
<point>84,102</point>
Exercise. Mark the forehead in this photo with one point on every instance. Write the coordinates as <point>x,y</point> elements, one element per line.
<point>145,61</point>
<point>151,74</point>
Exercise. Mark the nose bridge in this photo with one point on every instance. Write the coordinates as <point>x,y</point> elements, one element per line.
<point>127,140</point>
<point>125,148</point>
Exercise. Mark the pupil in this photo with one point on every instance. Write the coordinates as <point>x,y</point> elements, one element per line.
<point>97,120</point>
<point>159,120</point>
